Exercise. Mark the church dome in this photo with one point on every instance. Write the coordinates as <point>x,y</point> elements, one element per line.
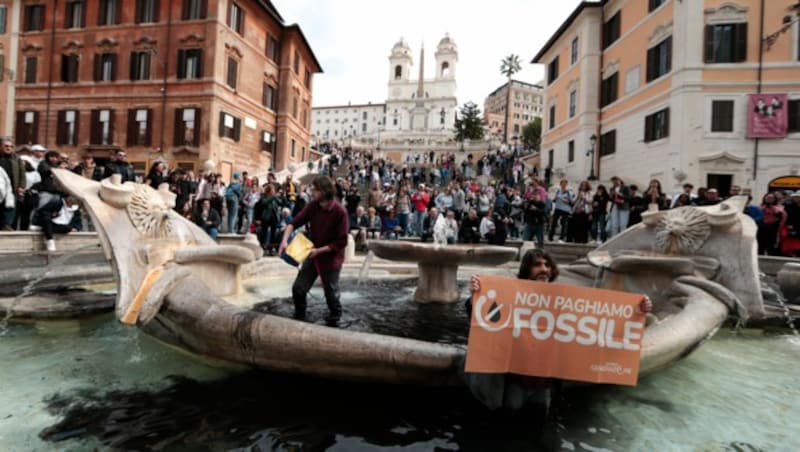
<point>401,47</point>
<point>447,43</point>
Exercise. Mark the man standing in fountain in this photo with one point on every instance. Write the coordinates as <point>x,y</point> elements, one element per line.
<point>327,230</point>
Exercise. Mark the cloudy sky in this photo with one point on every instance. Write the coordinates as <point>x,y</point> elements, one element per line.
<point>353,39</point>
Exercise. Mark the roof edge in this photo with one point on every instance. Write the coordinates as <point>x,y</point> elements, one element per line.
<point>564,26</point>
<point>296,27</point>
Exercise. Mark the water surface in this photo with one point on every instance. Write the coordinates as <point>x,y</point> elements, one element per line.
<point>97,384</point>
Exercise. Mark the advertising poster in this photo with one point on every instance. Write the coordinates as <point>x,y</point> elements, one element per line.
<point>767,116</point>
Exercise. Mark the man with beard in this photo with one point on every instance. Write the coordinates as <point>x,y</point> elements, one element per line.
<point>327,230</point>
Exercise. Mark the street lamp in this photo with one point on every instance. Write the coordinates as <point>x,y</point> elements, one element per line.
<point>590,153</point>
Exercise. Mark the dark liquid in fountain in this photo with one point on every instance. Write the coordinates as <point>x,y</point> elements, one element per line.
<point>387,307</point>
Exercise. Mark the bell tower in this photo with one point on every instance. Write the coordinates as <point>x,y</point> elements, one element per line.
<point>446,58</point>
<point>400,62</point>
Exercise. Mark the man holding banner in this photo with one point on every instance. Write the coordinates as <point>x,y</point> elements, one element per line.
<point>524,335</point>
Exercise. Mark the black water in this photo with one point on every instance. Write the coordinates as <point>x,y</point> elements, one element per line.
<point>122,401</point>
<point>386,307</point>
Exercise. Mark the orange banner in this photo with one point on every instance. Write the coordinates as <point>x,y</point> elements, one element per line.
<point>552,330</point>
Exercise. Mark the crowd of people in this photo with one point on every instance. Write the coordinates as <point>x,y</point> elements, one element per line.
<point>430,196</point>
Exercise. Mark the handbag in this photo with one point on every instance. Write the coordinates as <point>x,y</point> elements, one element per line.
<point>297,250</point>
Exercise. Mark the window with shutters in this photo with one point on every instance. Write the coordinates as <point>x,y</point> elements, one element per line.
<point>296,64</point>
<point>794,115</point>
<point>140,66</point>
<point>552,116</point>
<point>273,48</point>
<point>194,9</point>
<point>659,60</point>
<point>109,12</point>
<point>726,43</point>
<point>34,18</point>
<point>573,103</point>
<point>308,79</point>
<point>187,121</point>
<point>611,30</point>
<point>2,67</point>
<point>294,107</point>
<point>3,15</point>
<point>229,126</point>
<point>146,11</point>
<point>269,96</point>
<point>654,4</point>
<point>105,67</point>
<point>102,128</point>
<point>293,147</point>
<point>571,151</point>
<point>76,14</point>
<point>609,89</point>
<point>656,126</point>
<point>573,57</point>
<point>722,115</point>
<point>69,68</point>
<point>236,18</point>
<point>552,71</point>
<point>67,129</point>
<point>267,141</point>
<point>139,127</point>
<point>190,63</point>
<point>233,72</point>
<point>27,130</point>
<point>30,70</point>
<point>608,143</point>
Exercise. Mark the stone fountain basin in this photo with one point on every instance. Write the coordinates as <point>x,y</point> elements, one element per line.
<point>451,255</point>
<point>438,265</point>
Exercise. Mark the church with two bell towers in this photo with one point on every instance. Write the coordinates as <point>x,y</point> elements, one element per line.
<point>420,104</point>
<point>418,113</point>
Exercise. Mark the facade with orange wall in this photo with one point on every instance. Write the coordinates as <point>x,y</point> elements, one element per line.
<point>9,46</point>
<point>221,83</point>
<point>678,112</point>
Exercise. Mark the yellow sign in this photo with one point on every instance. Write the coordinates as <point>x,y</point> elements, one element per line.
<point>785,183</point>
<point>298,249</point>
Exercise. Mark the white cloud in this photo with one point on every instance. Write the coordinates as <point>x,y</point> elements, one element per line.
<point>353,39</point>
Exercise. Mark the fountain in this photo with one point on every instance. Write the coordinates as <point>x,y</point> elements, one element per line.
<point>438,264</point>
<point>227,307</point>
<point>697,264</point>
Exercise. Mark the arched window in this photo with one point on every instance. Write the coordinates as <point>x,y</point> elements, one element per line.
<point>398,72</point>
<point>445,69</point>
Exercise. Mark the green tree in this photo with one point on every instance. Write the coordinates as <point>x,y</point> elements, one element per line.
<point>469,124</point>
<point>509,66</point>
<point>532,134</point>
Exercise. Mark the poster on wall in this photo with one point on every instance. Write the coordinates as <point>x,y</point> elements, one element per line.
<point>767,116</point>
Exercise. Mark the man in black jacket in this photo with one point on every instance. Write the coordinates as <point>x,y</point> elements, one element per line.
<point>15,169</point>
<point>470,228</point>
<point>428,223</point>
<point>208,219</point>
<point>119,165</point>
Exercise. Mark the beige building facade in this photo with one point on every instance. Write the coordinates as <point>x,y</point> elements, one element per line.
<point>664,86</point>
<point>527,103</point>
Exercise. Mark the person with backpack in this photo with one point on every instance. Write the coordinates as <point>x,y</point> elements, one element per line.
<point>563,201</point>
<point>267,214</point>
<point>233,197</point>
